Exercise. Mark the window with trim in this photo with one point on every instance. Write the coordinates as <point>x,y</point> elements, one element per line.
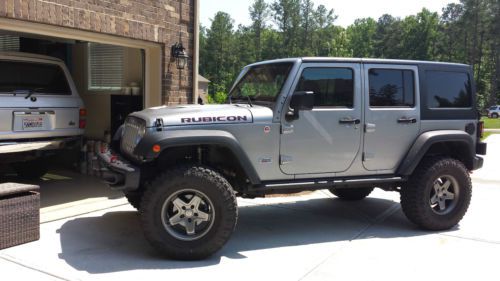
<point>332,87</point>
<point>446,89</point>
<point>391,87</point>
<point>105,67</point>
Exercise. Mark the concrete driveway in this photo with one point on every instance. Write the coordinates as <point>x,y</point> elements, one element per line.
<point>90,233</point>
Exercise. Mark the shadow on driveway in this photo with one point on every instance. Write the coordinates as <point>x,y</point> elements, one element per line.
<point>114,242</point>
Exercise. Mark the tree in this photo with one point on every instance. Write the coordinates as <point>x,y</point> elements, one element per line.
<point>387,39</point>
<point>219,56</point>
<point>287,19</point>
<point>308,25</point>
<point>361,37</point>
<point>419,35</point>
<point>259,13</point>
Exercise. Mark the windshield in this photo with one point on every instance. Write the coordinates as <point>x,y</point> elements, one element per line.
<point>262,82</point>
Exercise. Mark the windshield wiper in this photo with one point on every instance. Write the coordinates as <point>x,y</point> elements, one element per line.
<point>31,92</point>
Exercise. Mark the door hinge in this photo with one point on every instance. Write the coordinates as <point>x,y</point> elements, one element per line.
<point>285,159</point>
<point>286,129</point>
<point>370,128</point>
<point>368,156</point>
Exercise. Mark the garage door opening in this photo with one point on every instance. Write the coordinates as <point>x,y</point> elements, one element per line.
<point>109,78</point>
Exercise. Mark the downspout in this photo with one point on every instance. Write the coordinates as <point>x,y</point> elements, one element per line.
<point>196,51</point>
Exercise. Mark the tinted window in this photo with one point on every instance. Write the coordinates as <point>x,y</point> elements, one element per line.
<point>392,87</point>
<point>448,89</point>
<point>28,76</point>
<point>331,86</point>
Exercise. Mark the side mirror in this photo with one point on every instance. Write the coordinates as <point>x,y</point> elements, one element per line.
<point>300,101</point>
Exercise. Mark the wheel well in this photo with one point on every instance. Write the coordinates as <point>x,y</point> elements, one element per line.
<point>457,150</point>
<point>217,157</point>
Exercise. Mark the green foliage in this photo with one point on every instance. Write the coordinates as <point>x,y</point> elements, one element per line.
<point>217,98</point>
<point>465,32</point>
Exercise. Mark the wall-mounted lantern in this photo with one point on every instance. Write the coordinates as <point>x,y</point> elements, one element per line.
<point>179,53</point>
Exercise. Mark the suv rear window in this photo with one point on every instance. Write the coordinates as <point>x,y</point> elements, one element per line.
<point>446,89</point>
<point>41,78</point>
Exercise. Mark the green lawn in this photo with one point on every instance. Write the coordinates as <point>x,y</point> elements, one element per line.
<point>485,135</point>
<point>490,123</point>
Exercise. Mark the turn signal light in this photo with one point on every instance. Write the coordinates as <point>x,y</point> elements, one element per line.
<point>156,148</point>
<point>480,130</point>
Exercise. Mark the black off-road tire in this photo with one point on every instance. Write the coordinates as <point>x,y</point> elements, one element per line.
<point>494,115</point>
<point>134,198</point>
<point>201,179</point>
<point>351,194</point>
<point>416,193</point>
<point>30,170</point>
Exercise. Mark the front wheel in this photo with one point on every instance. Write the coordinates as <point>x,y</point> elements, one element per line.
<point>438,194</point>
<point>494,115</point>
<point>189,213</point>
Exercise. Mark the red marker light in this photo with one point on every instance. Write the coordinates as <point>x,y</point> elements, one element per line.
<point>156,148</point>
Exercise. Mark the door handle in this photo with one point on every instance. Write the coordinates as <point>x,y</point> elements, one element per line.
<point>349,121</point>
<point>405,120</point>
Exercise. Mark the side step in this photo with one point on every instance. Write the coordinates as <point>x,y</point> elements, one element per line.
<point>324,183</point>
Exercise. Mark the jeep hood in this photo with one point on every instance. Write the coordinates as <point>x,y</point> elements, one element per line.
<point>205,114</point>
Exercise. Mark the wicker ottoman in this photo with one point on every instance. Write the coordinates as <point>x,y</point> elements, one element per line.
<point>19,214</point>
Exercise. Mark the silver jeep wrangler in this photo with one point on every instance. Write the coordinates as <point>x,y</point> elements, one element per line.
<point>40,111</point>
<point>346,125</point>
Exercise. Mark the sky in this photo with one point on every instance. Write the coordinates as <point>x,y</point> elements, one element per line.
<point>347,11</point>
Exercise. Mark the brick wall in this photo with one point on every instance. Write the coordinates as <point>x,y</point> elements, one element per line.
<point>159,21</point>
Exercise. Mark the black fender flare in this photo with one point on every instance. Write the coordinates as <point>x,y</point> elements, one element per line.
<point>176,138</point>
<point>426,140</point>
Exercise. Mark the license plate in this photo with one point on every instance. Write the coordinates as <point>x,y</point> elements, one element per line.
<point>33,123</point>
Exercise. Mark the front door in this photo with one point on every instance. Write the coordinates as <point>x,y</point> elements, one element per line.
<point>327,138</point>
<point>392,116</point>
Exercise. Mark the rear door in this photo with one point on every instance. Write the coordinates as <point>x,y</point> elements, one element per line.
<point>327,138</point>
<point>37,100</point>
<point>392,115</point>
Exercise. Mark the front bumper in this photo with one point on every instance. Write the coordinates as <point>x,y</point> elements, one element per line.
<point>117,172</point>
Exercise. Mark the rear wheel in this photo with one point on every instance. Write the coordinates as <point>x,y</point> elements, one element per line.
<point>494,115</point>
<point>438,194</point>
<point>189,213</point>
<point>30,170</point>
<point>352,194</point>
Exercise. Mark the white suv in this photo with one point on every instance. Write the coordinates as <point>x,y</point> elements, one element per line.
<point>494,111</point>
<point>40,111</point>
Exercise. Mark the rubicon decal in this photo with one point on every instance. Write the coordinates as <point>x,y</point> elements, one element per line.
<point>214,119</point>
